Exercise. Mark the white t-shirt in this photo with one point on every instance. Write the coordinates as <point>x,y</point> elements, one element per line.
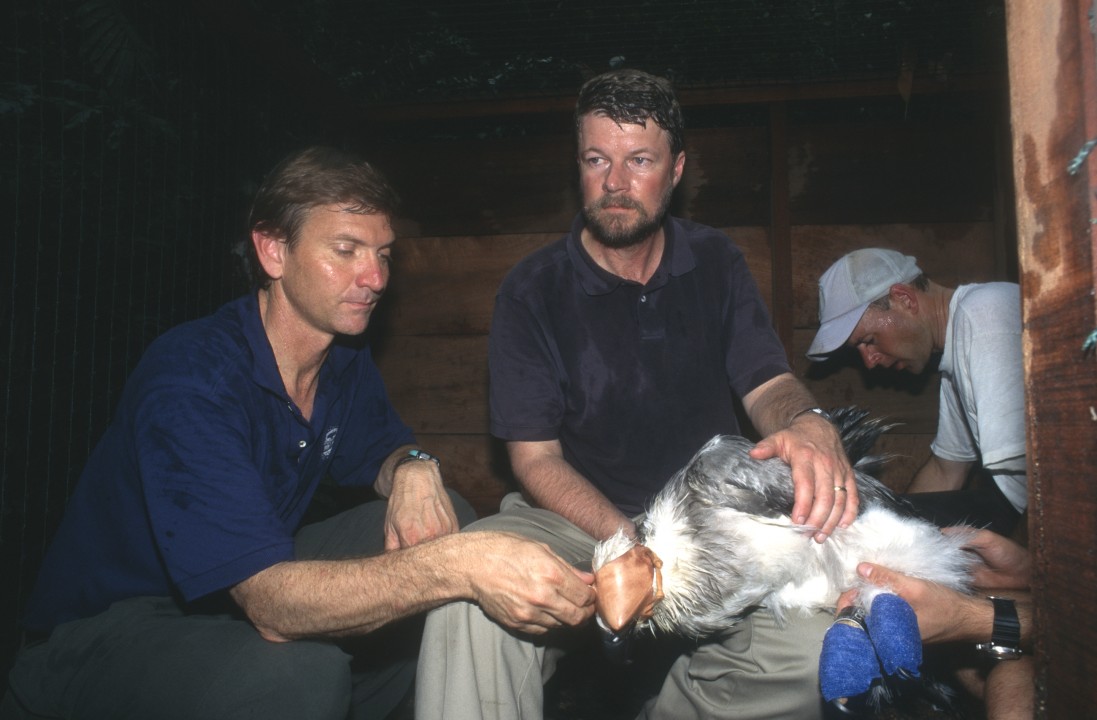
<point>982,414</point>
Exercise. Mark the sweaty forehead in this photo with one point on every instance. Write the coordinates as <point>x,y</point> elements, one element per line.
<point>596,128</point>
<point>865,326</point>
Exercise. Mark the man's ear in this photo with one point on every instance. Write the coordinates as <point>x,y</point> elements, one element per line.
<point>271,251</point>
<point>679,166</point>
<point>903,295</point>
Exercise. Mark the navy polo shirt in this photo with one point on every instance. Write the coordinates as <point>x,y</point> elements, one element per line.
<point>207,468</point>
<point>631,379</point>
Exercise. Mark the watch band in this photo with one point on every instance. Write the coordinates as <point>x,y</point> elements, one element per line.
<point>415,454</point>
<point>817,410</point>
<point>1005,639</point>
<point>853,616</point>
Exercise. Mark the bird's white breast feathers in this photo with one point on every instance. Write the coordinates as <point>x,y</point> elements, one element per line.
<point>716,570</point>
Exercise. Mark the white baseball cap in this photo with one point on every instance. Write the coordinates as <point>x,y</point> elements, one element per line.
<point>849,286</point>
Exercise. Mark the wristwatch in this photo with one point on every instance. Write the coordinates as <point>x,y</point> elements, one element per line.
<point>417,455</point>
<point>1005,640</point>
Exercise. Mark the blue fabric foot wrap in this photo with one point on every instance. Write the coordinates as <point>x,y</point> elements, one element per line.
<point>894,630</point>
<point>847,665</point>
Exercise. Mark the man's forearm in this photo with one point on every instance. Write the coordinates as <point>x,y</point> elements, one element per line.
<point>773,405</point>
<point>317,598</point>
<point>973,619</point>
<point>938,475</point>
<point>559,488</point>
<point>1010,690</point>
<point>552,483</point>
<point>519,583</point>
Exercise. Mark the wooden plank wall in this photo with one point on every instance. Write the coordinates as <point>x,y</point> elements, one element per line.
<point>477,207</point>
<point>1053,86</point>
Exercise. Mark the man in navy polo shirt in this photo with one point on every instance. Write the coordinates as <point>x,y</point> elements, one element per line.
<point>615,354</point>
<point>181,583</point>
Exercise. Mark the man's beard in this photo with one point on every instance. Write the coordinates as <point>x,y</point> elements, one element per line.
<point>615,231</point>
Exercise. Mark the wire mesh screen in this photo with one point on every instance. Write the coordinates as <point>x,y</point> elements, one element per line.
<point>130,146</point>
<point>431,49</point>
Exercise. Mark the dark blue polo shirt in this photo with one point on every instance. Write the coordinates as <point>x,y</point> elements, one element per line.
<point>631,379</point>
<point>207,468</point>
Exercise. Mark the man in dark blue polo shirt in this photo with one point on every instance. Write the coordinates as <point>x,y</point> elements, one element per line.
<point>181,583</point>
<point>615,354</point>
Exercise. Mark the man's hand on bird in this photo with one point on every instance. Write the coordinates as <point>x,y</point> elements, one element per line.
<point>1004,564</point>
<point>824,487</point>
<point>944,615</point>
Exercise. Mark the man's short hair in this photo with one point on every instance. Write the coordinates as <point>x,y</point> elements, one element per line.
<point>309,178</point>
<point>633,96</point>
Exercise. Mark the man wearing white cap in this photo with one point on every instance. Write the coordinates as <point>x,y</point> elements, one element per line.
<point>878,302</point>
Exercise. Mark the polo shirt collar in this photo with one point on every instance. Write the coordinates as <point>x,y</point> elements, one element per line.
<point>265,367</point>
<point>678,259</point>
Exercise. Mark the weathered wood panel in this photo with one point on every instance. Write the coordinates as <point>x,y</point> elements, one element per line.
<point>439,383</point>
<point>486,187</point>
<point>906,453</point>
<point>447,285</point>
<point>1053,101</point>
<point>727,176</point>
<point>476,466</point>
<point>871,173</point>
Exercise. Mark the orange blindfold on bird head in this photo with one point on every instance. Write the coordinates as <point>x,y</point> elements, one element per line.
<point>628,588</point>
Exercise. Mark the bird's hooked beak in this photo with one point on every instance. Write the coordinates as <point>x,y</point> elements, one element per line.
<point>628,588</point>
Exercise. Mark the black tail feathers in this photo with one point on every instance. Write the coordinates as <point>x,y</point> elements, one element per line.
<point>902,697</point>
<point>859,435</point>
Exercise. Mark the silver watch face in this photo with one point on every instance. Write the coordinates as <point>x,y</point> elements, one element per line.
<point>999,652</point>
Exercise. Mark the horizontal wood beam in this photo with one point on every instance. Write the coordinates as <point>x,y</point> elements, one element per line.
<point>688,97</point>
